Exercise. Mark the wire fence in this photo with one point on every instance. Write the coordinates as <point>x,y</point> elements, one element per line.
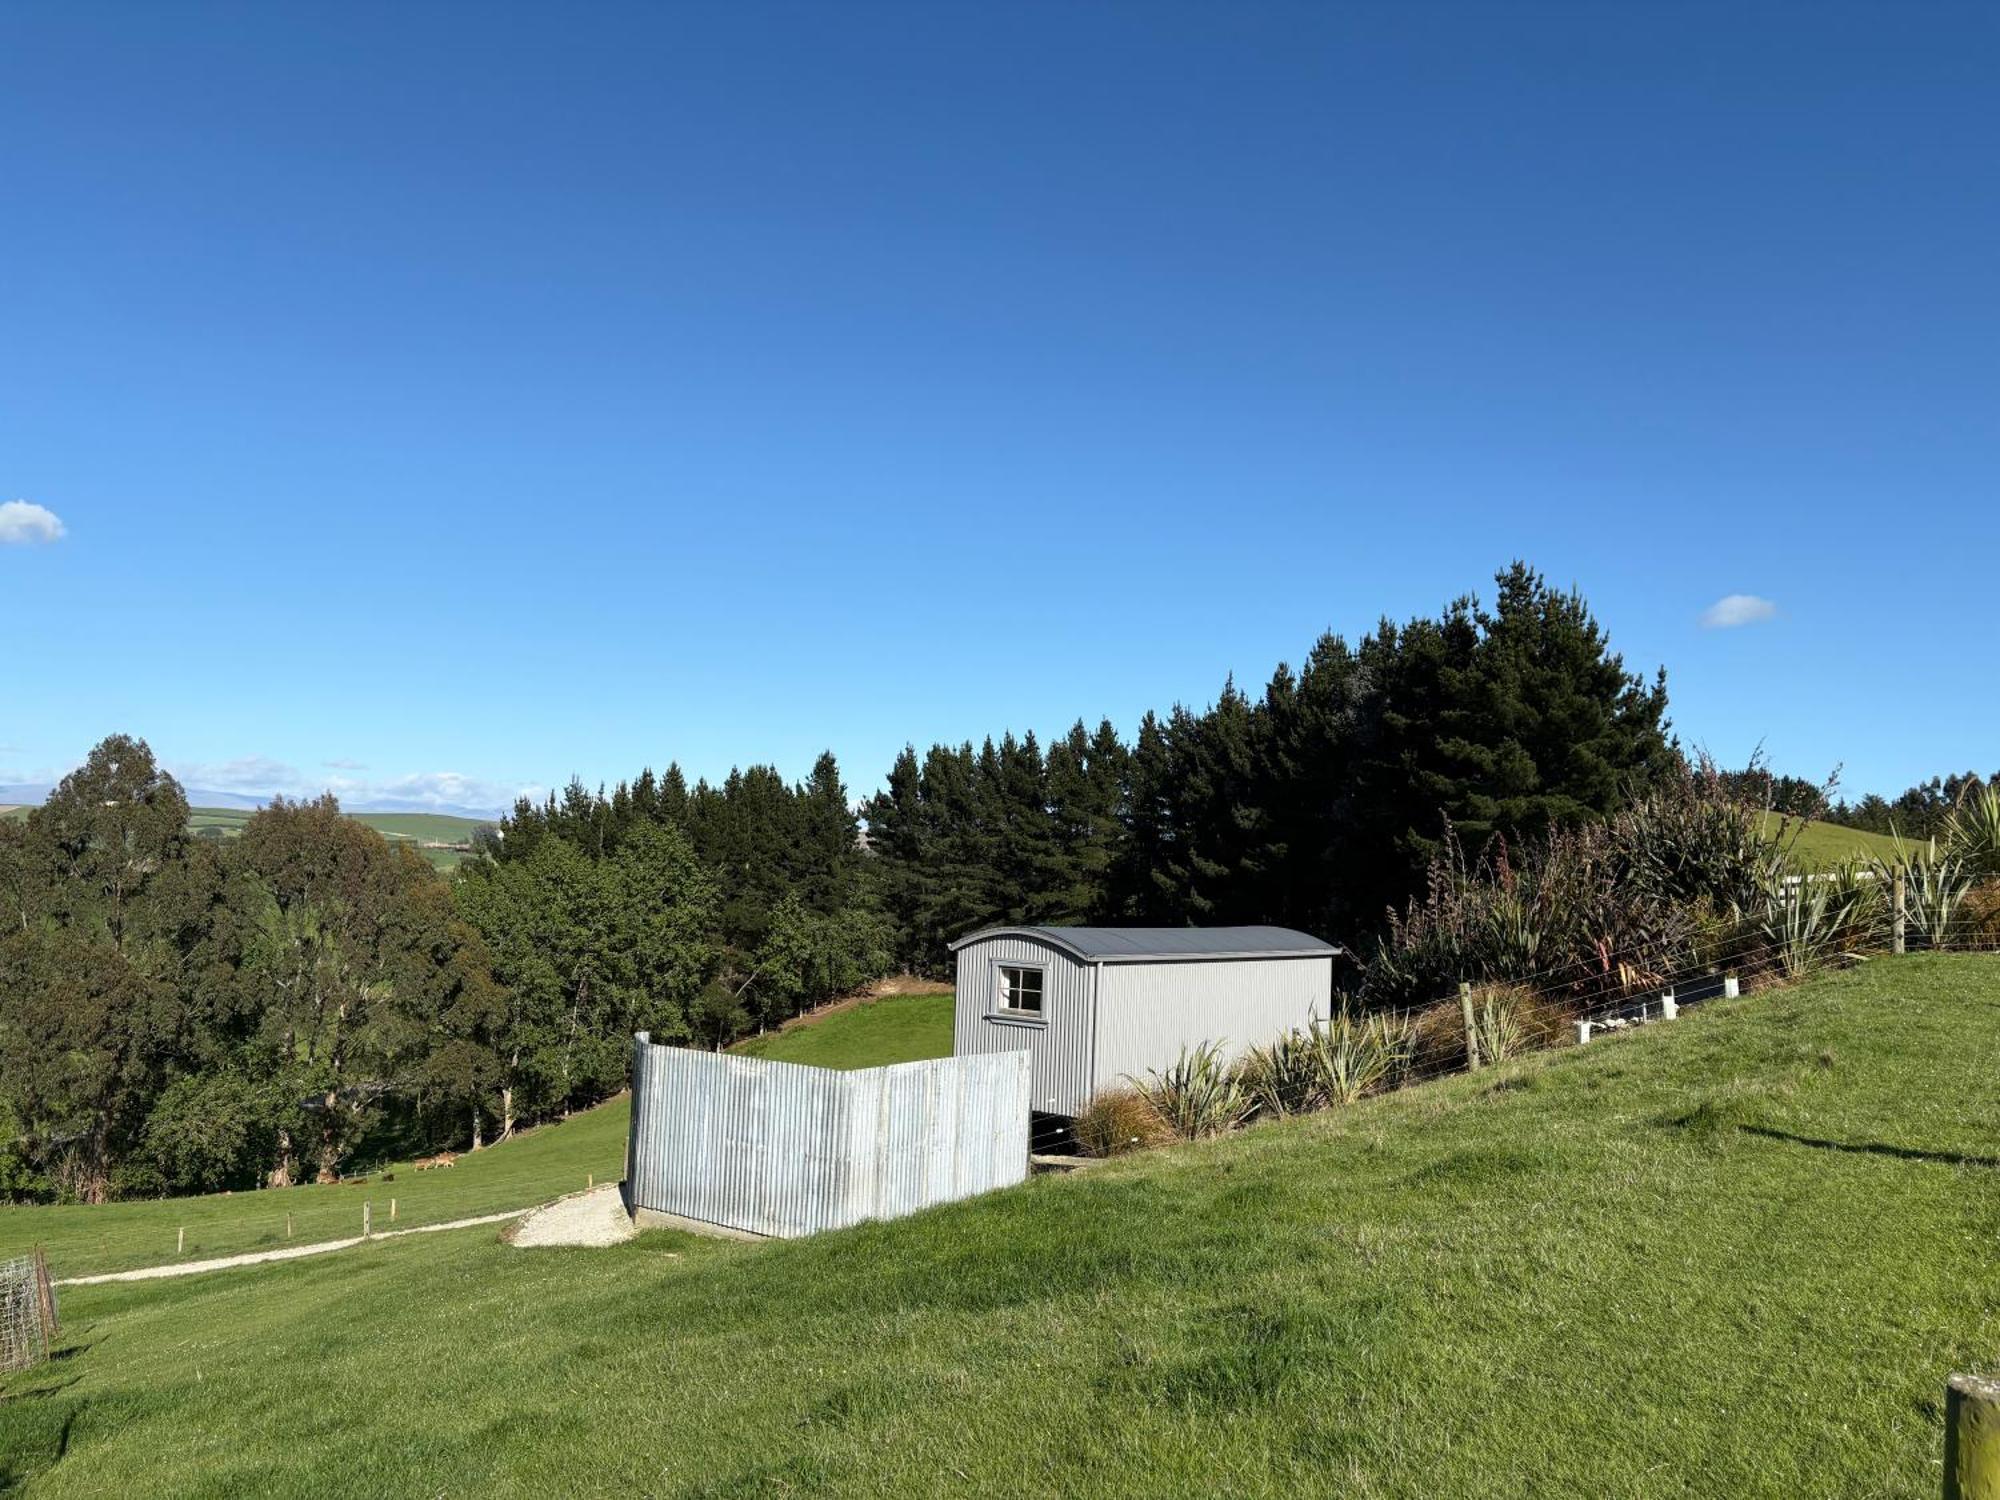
<point>28,1323</point>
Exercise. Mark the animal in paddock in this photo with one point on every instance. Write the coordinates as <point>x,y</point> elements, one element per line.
<point>442,1159</point>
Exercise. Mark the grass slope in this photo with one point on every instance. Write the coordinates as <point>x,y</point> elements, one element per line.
<point>1822,844</point>
<point>540,1164</point>
<point>896,1028</point>
<point>435,828</point>
<point>1735,1255</point>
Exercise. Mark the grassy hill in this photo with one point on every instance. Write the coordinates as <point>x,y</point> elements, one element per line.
<point>416,828</point>
<point>1735,1255</point>
<point>896,1028</point>
<point>419,828</point>
<point>1823,844</point>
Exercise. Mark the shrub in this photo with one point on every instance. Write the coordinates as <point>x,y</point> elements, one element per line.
<point>1199,1095</point>
<point>1690,842</point>
<point>1117,1120</point>
<point>205,1133</point>
<point>1568,913</point>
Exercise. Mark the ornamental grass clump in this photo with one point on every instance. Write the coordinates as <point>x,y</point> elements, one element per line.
<point>1282,1078</point>
<point>1499,1028</point>
<point>1348,1057</point>
<point>1934,893</point>
<point>1972,833</point>
<point>1118,1120</point>
<point>1199,1095</point>
<point>1807,922</point>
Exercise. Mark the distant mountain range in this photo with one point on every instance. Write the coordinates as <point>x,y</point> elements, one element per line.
<point>30,795</point>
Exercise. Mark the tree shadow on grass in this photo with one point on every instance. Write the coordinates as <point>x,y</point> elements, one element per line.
<point>31,1448</point>
<point>1875,1148</point>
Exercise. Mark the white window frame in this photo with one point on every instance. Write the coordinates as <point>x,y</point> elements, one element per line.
<point>1001,1010</point>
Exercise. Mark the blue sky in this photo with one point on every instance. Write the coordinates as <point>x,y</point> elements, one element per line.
<point>509,393</point>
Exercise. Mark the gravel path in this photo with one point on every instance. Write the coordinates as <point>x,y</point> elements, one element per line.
<point>597,1217</point>
<point>291,1252</point>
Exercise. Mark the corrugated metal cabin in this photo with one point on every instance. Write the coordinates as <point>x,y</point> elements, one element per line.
<point>1095,1005</point>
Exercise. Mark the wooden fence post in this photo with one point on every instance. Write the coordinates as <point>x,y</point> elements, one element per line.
<point>1898,896</point>
<point>1972,1438</point>
<point>1471,1029</point>
<point>367,1214</point>
<point>45,1293</point>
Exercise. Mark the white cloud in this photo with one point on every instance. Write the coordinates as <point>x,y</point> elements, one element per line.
<point>252,775</point>
<point>23,523</point>
<point>261,776</point>
<point>344,765</point>
<point>1737,609</point>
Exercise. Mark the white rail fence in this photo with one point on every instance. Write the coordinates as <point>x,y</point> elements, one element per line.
<point>779,1149</point>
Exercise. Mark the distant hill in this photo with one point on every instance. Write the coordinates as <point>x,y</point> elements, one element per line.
<point>442,838</point>
<point>29,794</point>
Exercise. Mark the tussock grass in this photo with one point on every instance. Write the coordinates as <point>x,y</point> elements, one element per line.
<point>1540,1279</point>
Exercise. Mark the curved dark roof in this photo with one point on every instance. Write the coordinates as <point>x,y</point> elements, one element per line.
<point>1136,944</point>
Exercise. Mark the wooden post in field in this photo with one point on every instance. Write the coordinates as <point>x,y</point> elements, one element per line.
<point>1972,1438</point>
<point>181,1241</point>
<point>1471,1031</point>
<point>1899,906</point>
<point>392,1210</point>
<point>590,1179</point>
<point>288,1226</point>
<point>367,1215</point>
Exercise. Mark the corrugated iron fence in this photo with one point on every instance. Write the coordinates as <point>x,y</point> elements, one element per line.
<point>780,1149</point>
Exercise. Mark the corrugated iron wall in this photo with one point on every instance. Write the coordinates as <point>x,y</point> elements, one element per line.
<point>1059,1046</point>
<point>1148,1012</point>
<point>780,1149</point>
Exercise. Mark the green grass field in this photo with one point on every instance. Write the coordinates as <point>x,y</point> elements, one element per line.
<point>1822,844</point>
<point>1732,1256</point>
<point>436,828</point>
<point>541,1164</point>
<point>896,1028</point>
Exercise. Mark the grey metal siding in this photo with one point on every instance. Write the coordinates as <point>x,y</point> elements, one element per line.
<point>1147,1012</point>
<point>1058,1048</point>
<point>785,1150</point>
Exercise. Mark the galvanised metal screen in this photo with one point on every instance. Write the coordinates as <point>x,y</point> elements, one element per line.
<point>780,1149</point>
<point>28,1325</point>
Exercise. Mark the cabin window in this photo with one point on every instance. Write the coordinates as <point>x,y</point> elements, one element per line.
<point>1020,990</point>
